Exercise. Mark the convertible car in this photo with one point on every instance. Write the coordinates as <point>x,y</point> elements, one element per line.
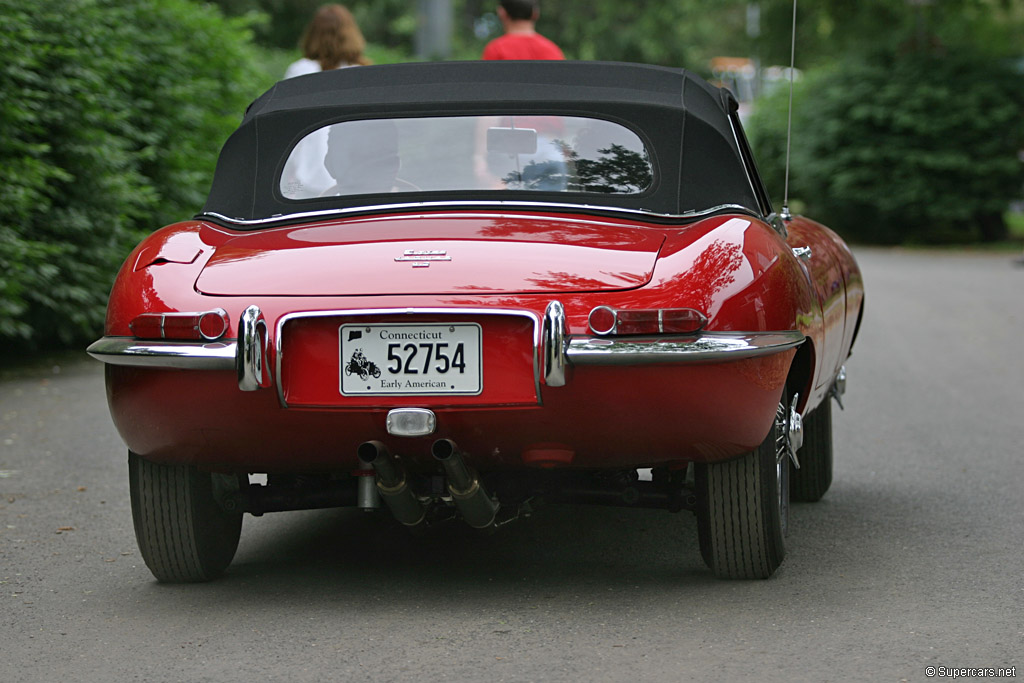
<point>461,290</point>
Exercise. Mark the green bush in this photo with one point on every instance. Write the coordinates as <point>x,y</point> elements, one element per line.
<point>913,148</point>
<point>388,25</point>
<point>112,113</point>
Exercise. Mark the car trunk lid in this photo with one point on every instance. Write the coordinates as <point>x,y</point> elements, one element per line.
<point>436,254</point>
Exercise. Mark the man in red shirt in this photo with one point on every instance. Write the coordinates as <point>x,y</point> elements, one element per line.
<point>520,41</point>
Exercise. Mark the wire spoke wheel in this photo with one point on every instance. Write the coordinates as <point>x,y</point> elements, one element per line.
<point>809,483</point>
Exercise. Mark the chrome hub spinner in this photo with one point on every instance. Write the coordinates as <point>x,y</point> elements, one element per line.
<point>839,387</point>
<point>796,432</point>
<point>791,424</point>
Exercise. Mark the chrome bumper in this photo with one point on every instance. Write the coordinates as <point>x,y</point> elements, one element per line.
<point>709,347</point>
<point>705,348</point>
<point>248,355</point>
<point>165,354</point>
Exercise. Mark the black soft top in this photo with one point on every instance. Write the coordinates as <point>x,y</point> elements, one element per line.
<point>683,121</point>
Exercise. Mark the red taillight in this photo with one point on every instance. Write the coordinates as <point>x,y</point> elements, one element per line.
<point>605,320</point>
<point>602,320</point>
<point>205,326</point>
<point>682,320</point>
<point>213,324</point>
<point>637,322</point>
<point>148,326</point>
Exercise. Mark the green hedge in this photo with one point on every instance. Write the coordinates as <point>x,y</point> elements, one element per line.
<point>912,148</point>
<point>112,113</point>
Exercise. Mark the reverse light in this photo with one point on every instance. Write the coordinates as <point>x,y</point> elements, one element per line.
<point>203,326</point>
<point>605,320</point>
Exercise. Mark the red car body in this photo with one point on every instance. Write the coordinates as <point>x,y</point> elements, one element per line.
<point>606,413</point>
<point>226,350</point>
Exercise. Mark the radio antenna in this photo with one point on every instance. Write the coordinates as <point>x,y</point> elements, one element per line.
<point>786,215</point>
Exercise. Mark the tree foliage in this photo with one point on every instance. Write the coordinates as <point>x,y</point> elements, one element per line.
<point>684,33</point>
<point>834,30</point>
<point>111,116</point>
<point>388,23</point>
<point>112,113</point>
<point>913,147</point>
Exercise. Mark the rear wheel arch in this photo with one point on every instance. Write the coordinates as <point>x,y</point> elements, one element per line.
<point>801,371</point>
<point>856,327</point>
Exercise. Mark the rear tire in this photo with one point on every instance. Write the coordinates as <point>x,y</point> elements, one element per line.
<point>183,534</point>
<point>743,509</point>
<point>809,483</point>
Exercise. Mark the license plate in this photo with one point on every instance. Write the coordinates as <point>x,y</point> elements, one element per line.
<point>411,359</point>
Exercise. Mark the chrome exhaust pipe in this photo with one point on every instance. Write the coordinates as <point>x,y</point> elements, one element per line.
<point>400,499</point>
<point>473,503</point>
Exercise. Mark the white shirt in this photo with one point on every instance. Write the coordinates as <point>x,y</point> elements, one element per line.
<point>304,173</point>
<point>302,67</point>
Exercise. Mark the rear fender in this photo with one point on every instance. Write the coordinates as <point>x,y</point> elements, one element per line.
<point>801,373</point>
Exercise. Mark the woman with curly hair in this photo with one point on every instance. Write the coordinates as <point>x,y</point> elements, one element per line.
<point>332,40</point>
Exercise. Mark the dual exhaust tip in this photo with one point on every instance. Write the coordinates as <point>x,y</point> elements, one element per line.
<point>472,501</point>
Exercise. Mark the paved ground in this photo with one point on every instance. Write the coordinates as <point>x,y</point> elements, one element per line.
<point>913,559</point>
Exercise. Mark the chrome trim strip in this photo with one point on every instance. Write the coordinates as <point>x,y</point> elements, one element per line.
<point>708,347</point>
<point>739,146</point>
<point>554,345</point>
<point>279,340</point>
<point>453,205</point>
<point>165,354</point>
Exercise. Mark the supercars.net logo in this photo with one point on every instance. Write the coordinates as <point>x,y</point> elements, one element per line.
<point>970,672</point>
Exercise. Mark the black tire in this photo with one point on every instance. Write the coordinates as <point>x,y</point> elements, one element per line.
<point>743,510</point>
<point>809,483</point>
<point>183,534</point>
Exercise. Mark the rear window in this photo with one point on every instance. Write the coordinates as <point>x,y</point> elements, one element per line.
<point>486,153</point>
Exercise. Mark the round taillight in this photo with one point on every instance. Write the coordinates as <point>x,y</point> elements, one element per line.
<point>213,324</point>
<point>602,320</point>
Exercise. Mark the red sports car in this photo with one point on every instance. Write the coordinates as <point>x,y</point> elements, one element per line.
<point>458,290</point>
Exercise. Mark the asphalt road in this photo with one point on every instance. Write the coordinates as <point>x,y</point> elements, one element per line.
<point>913,559</point>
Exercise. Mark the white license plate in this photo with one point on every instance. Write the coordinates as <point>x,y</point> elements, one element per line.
<point>411,359</point>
